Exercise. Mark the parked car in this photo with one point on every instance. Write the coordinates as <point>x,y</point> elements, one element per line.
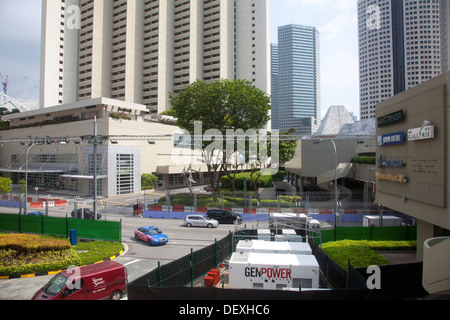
<point>36,213</point>
<point>223,216</point>
<point>88,214</point>
<point>196,220</point>
<point>105,280</point>
<point>152,235</point>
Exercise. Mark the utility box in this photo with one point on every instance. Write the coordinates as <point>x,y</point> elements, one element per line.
<point>273,271</point>
<point>73,237</point>
<point>386,221</point>
<point>288,235</point>
<point>261,246</point>
<point>288,220</point>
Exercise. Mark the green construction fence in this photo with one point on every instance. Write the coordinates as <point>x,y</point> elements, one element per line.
<point>86,229</point>
<point>400,233</point>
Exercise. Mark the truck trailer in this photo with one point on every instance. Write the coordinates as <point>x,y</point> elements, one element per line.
<point>273,271</point>
<point>384,221</point>
<point>261,246</point>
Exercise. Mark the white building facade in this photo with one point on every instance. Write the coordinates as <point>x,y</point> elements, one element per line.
<point>399,48</point>
<point>138,51</point>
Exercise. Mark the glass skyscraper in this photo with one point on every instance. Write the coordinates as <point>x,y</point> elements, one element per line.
<point>296,80</point>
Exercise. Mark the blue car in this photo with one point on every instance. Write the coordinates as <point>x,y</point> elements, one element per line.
<point>36,213</point>
<point>152,235</point>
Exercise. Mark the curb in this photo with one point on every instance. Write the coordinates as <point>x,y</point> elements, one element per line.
<point>49,273</point>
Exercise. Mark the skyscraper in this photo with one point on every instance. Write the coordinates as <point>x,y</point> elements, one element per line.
<point>297,79</point>
<point>140,50</point>
<point>444,6</point>
<point>398,48</point>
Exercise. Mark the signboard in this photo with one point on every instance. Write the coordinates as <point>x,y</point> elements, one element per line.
<point>390,118</point>
<point>422,133</point>
<point>390,139</point>
<point>383,163</point>
<point>401,179</point>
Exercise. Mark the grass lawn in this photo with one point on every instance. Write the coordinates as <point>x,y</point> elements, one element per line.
<point>363,253</point>
<point>25,254</point>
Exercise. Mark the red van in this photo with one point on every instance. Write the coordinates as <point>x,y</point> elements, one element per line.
<point>105,280</point>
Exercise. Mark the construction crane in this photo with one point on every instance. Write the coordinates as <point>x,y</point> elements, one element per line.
<point>5,83</point>
<point>31,82</point>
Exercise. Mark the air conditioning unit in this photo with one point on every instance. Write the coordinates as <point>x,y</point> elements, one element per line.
<point>436,265</point>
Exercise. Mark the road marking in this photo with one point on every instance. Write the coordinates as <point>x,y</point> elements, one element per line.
<point>131,262</point>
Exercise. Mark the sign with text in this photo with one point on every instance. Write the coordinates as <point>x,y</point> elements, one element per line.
<point>390,139</point>
<point>390,118</point>
<point>421,133</point>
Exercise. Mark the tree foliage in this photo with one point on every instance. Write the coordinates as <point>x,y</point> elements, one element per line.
<point>5,185</point>
<point>222,105</point>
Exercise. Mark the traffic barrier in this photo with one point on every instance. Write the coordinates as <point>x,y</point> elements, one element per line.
<point>178,208</point>
<point>39,204</point>
<point>202,210</point>
<point>156,207</point>
<point>325,211</point>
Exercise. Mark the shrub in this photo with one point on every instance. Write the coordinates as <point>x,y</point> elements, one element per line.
<point>148,180</point>
<point>263,181</point>
<point>362,253</point>
<point>30,244</point>
<point>14,263</point>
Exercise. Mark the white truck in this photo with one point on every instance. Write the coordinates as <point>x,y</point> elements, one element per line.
<point>273,271</point>
<point>279,235</point>
<point>385,221</point>
<point>261,246</point>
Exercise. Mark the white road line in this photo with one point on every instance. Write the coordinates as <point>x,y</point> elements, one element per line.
<point>131,262</point>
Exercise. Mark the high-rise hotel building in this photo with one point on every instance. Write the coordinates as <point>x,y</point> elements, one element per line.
<point>444,6</point>
<point>140,50</point>
<point>399,48</point>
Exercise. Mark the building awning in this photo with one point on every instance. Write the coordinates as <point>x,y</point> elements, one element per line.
<point>19,170</point>
<point>343,170</point>
<point>83,176</point>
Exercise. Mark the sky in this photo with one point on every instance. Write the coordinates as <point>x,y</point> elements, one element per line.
<point>336,21</point>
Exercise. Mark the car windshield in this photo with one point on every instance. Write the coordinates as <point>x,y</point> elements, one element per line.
<point>153,231</point>
<point>56,284</point>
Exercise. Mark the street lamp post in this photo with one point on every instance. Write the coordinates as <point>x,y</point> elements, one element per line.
<point>335,183</point>
<point>26,176</point>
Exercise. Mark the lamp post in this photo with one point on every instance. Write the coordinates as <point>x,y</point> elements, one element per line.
<point>335,182</point>
<point>26,176</point>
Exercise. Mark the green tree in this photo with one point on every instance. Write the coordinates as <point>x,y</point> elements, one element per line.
<point>5,185</point>
<point>148,180</point>
<point>287,146</point>
<point>222,105</point>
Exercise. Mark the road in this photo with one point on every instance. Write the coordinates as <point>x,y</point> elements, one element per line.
<point>138,257</point>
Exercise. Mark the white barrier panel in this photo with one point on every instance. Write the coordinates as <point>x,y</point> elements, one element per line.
<point>237,210</point>
<point>189,209</point>
<point>262,210</point>
<point>167,208</point>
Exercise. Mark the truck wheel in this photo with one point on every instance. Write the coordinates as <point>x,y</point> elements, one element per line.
<point>117,295</point>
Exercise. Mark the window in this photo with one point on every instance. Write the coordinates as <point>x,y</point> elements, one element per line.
<point>125,173</point>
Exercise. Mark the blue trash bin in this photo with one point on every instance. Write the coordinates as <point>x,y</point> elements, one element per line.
<point>73,237</point>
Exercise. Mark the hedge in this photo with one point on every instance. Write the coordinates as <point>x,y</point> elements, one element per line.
<point>263,181</point>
